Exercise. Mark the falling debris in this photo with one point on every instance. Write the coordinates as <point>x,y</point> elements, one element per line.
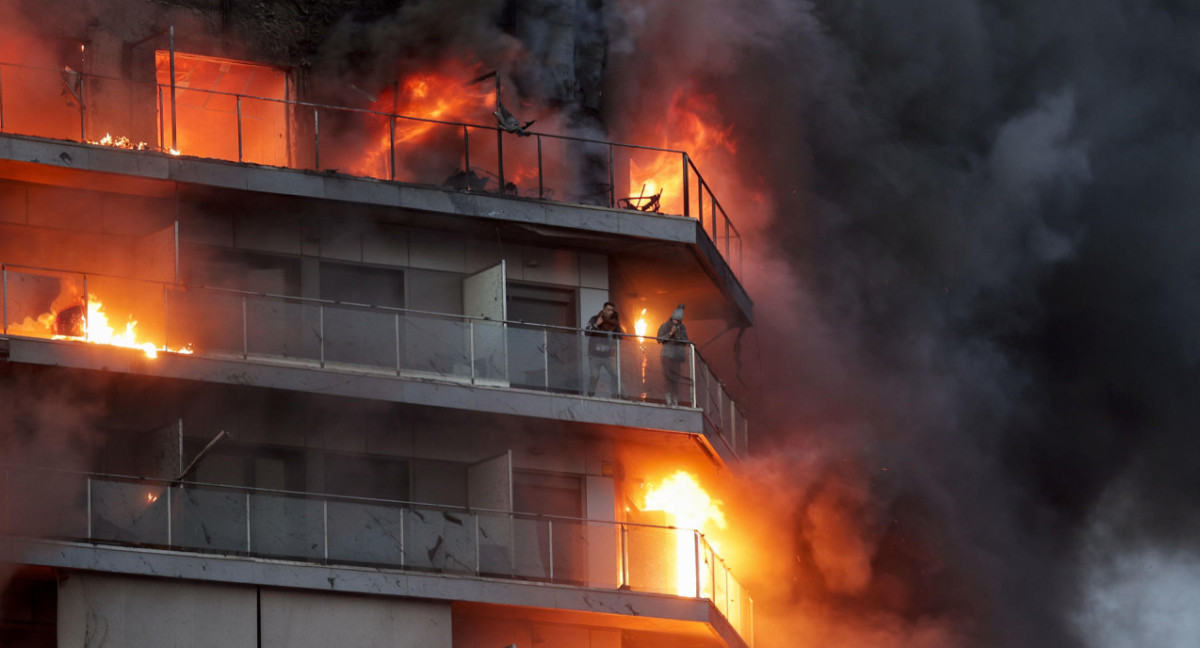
<point>509,122</point>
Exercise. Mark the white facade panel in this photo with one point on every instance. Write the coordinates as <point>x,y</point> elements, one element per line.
<point>593,271</point>
<point>341,242</point>
<point>559,267</point>
<point>385,246</point>
<point>281,235</point>
<point>99,610</point>
<point>592,300</point>
<point>437,251</point>
<point>311,620</point>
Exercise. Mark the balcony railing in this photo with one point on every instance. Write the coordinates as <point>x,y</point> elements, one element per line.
<point>69,105</point>
<point>333,530</point>
<point>221,323</point>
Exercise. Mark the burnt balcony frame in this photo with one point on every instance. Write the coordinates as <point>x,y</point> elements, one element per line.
<point>697,198</point>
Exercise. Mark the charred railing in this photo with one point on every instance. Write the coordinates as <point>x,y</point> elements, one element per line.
<point>332,530</point>
<point>222,323</point>
<point>69,105</point>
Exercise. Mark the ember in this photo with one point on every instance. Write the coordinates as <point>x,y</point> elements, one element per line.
<point>121,142</point>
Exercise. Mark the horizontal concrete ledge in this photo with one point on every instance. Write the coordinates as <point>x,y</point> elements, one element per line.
<point>374,386</point>
<point>632,609</point>
<point>151,165</point>
<point>150,172</point>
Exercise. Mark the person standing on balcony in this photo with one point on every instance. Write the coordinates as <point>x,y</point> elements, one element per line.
<point>604,330</point>
<point>673,337</point>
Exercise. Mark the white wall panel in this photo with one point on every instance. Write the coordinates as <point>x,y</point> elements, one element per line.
<point>102,610</point>
<point>311,620</point>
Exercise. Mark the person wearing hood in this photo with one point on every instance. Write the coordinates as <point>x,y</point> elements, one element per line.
<point>673,337</point>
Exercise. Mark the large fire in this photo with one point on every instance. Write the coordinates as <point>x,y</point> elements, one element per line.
<point>441,95</point>
<point>71,324</point>
<point>658,179</point>
<point>690,509</point>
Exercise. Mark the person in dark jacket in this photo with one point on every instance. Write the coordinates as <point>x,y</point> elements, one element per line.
<point>603,332</point>
<point>673,337</point>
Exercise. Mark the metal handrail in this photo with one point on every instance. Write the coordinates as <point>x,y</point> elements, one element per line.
<point>699,398</point>
<point>714,579</point>
<point>733,256</point>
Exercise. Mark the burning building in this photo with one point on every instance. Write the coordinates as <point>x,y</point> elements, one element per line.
<point>283,370</point>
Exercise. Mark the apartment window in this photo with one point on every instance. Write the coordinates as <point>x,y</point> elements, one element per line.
<point>561,496</point>
<point>362,284</point>
<point>541,304</point>
<point>362,476</point>
<point>547,494</point>
<point>29,609</point>
<point>235,464</point>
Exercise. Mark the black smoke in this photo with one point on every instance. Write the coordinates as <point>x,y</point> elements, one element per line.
<point>987,210</point>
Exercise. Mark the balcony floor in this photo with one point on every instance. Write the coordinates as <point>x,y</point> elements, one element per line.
<point>623,608</point>
<point>306,377</point>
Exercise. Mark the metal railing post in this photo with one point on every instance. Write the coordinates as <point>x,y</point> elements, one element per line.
<point>550,544</point>
<point>89,508</point>
<point>82,110</point>
<point>712,211</point>
<point>687,208</point>
<point>174,114</point>
<point>624,555</point>
<point>478,560</point>
<point>403,560</point>
<point>692,371</point>
<point>316,140</point>
<point>397,344</point>
<point>696,538</point>
<point>245,332</point>
<point>726,219</point>
<point>325,526</point>
<point>162,132</point>
<point>85,307</point>
<point>248,545</point>
<point>239,126</point>
<point>466,158</point>
<point>4,273</point>
<point>392,147</point>
<point>166,320</point>
<point>168,496</point>
<point>471,358</point>
<point>321,332</point>
<point>546,356</point>
<point>619,393</point>
<point>541,173</point>
<point>8,501</point>
<point>612,180</point>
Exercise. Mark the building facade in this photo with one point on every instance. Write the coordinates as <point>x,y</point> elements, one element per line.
<point>285,373</point>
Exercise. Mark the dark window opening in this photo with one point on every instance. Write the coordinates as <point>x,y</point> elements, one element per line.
<point>375,477</point>
<point>29,609</point>
<point>362,284</point>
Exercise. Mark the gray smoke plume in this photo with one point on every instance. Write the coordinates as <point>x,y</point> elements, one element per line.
<point>975,267</point>
<point>986,212</point>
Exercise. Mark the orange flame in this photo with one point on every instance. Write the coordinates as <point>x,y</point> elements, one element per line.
<point>95,330</point>
<point>639,327</point>
<point>687,129</point>
<point>120,141</point>
<point>441,95</point>
<point>690,509</point>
